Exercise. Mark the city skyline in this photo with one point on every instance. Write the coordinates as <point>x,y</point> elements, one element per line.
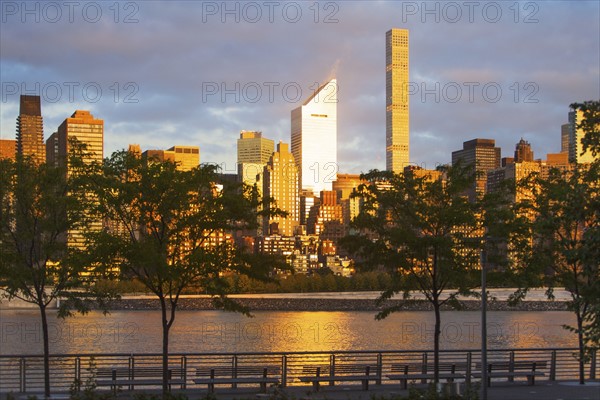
<point>179,105</point>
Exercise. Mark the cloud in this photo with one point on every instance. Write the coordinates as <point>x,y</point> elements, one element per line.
<point>154,73</point>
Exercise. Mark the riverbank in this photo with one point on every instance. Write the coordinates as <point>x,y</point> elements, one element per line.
<point>536,300</point>
<point>332,304</point>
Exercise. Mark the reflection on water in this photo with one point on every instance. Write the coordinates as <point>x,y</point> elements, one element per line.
<point>279,331</point>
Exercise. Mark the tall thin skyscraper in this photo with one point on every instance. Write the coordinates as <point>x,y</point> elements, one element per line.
<point>30,129</point>
<point>314,139</point>
<point>397,123</point>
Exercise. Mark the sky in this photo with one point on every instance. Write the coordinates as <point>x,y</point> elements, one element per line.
<point>197,73</point>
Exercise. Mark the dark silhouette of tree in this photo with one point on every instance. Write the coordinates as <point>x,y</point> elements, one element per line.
<point>171,230</point>
<point>39,205</point>
<point>424,232</point>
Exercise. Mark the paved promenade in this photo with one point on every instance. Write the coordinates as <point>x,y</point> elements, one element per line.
<point>542,390</point>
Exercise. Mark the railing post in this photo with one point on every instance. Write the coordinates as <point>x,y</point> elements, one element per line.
<point>131,373</point>
<point>468,371</point>
<point>424,367</point>
<point>184,371</point>
<point>234,365</point>
<point>593,364</point>
<point>284,371</point>
<point>332,368</point>
<point>511,366</point>
<point>78,373</point>
<point>552,375</point>
<point>22,376</point>
<point>379,368</point>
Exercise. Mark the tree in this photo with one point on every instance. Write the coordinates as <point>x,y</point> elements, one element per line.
<point>171,230</point>
<point>39,205</point>
<point>566,231</point>
<point>423,231</point>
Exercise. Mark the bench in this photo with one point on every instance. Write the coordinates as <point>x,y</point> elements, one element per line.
<point>415,371</point>
<point>212,376</point>
<point>138,376</point>
<point>512,369</point>
<point>340,373</point>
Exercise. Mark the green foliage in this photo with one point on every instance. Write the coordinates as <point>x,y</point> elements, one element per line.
<point>172,230</point>
<point>412,226</point>
<point>423,231</point>
<point>40,206</point>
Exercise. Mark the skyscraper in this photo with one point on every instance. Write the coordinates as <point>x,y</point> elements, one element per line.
<point>397,124</point>
<point>89,131</point>
<point>314,138</point>
<point>483,156</point>
<point>30,129</point>
<point>281,184</point>
<point>253,153</point>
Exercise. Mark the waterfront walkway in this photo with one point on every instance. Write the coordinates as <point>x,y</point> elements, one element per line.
<point>564,390</point>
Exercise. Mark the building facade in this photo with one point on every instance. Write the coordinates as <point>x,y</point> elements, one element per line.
<point>8,148</point>
<point>397,122</point>
<point>314,139</point>
<point>186,157</point>
<point>89,131</point>
<point>483,156</point>
<point>576,154</point>
<point>30,129</point>
<point>281,184</point>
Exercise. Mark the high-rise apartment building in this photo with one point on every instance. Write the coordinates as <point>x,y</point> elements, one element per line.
<point>576,154</point>
<point>314,139</point>
<point>88,131</point>
<point>186,157</point>
<point>81,126</point>
<point>281,184</point>
<point>397,123</point>
<point>483,156</point>
<point>30,129</point>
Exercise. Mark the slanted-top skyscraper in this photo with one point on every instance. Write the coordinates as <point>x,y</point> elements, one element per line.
<point>397,126</point>
<point>30,129</point>
<point>314,139</point>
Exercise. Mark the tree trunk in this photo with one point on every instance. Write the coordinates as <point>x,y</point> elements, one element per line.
<point>436,342</point>
<point>165,347</point>
<point>46,351</point>
<point>581,347</point>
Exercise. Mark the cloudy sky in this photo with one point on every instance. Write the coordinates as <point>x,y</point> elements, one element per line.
<point>196,73</point>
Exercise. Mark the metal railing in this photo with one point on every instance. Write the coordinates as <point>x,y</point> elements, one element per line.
<point>78,371</point>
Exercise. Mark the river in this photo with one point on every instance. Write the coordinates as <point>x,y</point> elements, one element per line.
<point>279,331</point>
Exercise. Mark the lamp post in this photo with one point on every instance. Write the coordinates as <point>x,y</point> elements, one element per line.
<point>484,373</point>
